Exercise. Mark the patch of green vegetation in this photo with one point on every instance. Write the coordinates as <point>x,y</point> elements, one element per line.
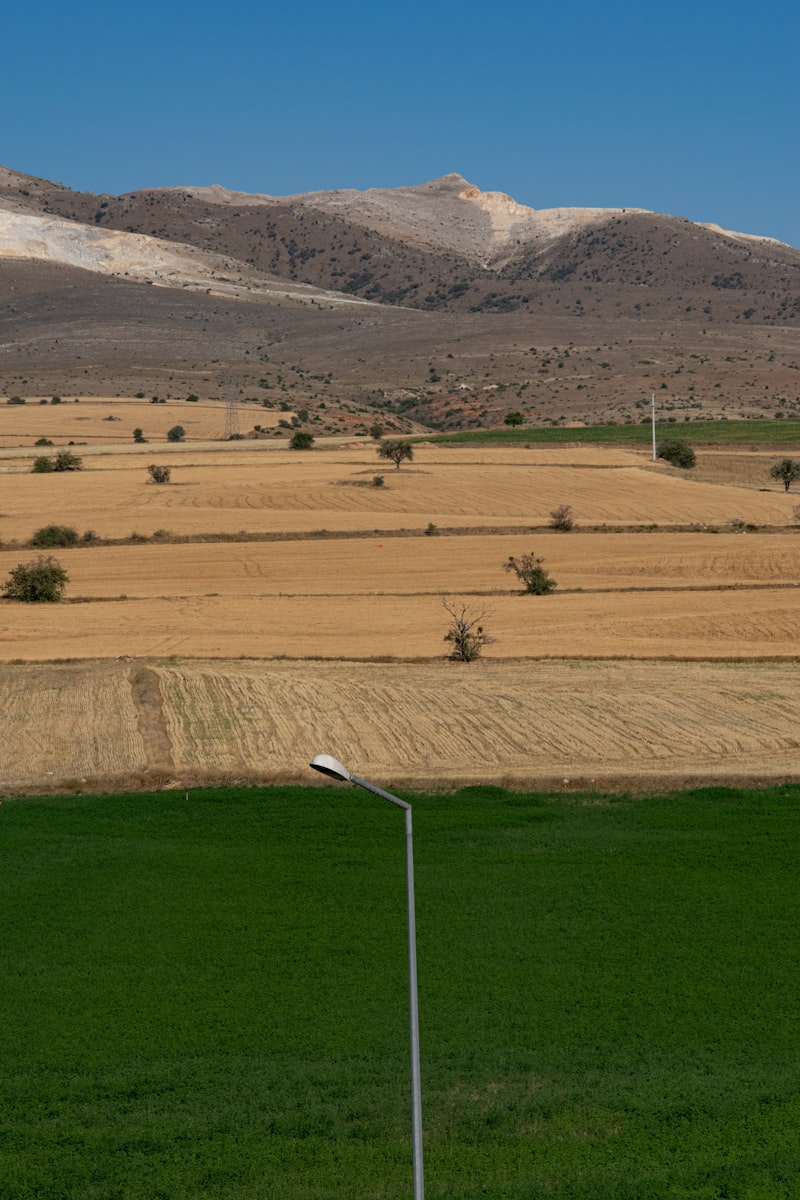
<point>207,997</point>
<point>699,433</point>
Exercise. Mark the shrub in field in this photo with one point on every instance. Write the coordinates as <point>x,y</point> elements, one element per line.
<point>15,400</point>
<point>561,518</point>
<point>177,433</point>
<point>530,572</point>
<point>302,440</point>
<point>677,453</point>
<point>396,450</point>
<point>55,535</point>
<point>65,460</point>
<point>787,471</point>
<point>513,418</point>
<point>466,633</point>
<point>43,441</point>
<point>41,581</point>
<point>376,432</point>
<point>159,474</point>
<point>378,481</point>
<point>138,435</point>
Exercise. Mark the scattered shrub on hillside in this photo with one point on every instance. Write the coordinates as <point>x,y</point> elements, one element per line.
<point>176,434</point>
<point>466,635</point>
<point>677,453</point>
<point>530,572</point>
<point>159,474</point>
<point>787,471</point>
<point>40,581</point>
<point>561,518</point>
<point>302,440</point>
<point>55,535</point>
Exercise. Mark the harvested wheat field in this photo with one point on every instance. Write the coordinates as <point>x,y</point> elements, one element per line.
<point>102,421</point>
<point>207,655</point>
<point>261,488</point>
<point>568,724</point>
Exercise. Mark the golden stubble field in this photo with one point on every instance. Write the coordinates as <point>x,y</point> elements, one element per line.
<point>661,653</point>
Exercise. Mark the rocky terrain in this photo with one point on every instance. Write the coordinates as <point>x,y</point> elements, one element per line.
<point>436,306</point>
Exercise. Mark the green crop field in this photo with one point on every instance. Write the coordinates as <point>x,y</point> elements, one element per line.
<point>206,999</point>
<point>697,433</point>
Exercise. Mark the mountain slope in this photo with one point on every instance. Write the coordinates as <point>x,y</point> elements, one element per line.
<point>485,305</point>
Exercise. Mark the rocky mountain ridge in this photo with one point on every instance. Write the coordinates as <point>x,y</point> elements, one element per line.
<point>431,301</point>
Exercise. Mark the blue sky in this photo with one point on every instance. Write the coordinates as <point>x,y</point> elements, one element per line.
<point>690,109</point>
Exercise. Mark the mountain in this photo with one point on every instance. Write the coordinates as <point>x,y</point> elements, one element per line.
<point>441,303</point>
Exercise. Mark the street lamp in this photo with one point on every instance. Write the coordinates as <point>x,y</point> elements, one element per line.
<point>327,765</point>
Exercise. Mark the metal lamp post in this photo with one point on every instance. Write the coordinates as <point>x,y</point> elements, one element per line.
<point>328,765</point>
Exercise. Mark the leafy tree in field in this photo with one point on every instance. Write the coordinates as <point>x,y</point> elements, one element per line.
<point>513,418</point>
<point>55,535</point>
<point>677,453</point>
<point>466,633</point>
<point>530,572</point>
<point>176,434</point>
<point>65,460</point>
<point>787,471</point>
<point>376,432</point>
<point>41,581</point>
<point>159,474</point>
<point>396,450</point>
<point>43,441</point>
<point>42,465</point>
<point>302,440</point>
<point>138,435</point>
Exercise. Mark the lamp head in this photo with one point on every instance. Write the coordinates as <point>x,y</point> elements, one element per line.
<point>326,764</point>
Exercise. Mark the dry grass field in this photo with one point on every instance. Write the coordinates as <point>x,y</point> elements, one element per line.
<point>670,651</point>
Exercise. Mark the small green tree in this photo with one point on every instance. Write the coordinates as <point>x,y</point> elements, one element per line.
<point>466,633</point>
<point>677,453</point>
<point>159,474</point>
<point>396,450</point>
<point>513,418</point>
<point>376,432</point>
<point>55,535</point>
<point>138,435</point>
<point>177,433</point>
<point>41,581</point>
<point>530,572</point>
<point>42,465</point>
<point>787,471</point>
<point>65,460</point>
<point>43,441</point>
<point>302,440</point>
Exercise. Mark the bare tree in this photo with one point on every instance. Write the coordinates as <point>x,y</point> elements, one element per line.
<point>466,634</point>
<point>561,518</point>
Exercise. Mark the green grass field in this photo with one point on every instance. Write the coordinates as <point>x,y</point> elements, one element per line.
<point>207,999</point>
<point>697,433</point>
